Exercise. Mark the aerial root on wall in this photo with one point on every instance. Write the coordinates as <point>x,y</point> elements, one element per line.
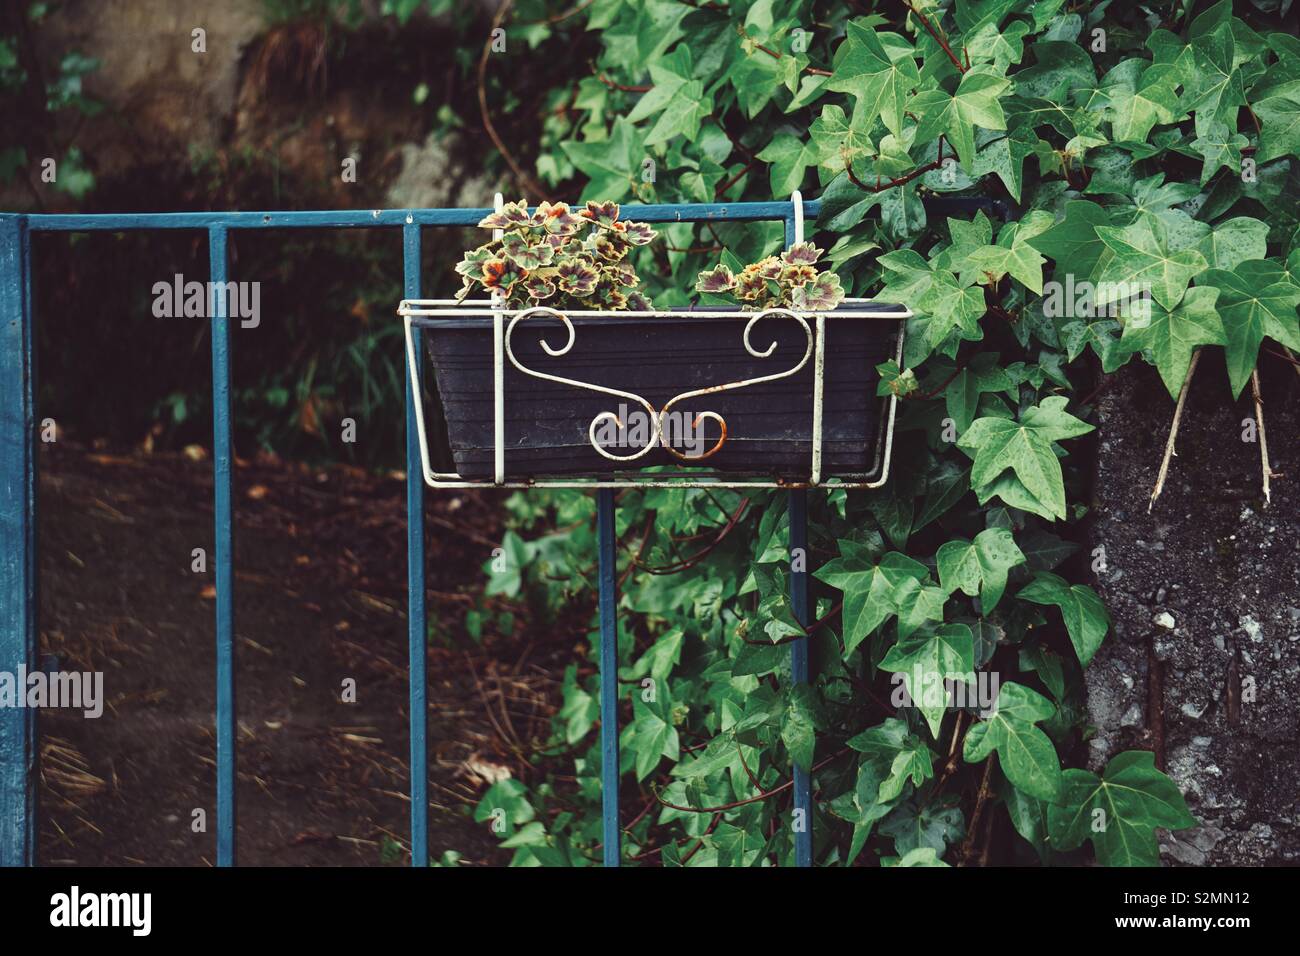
<point>1173,431</point>
<point>1266,472</point>
<point>1263,439</point>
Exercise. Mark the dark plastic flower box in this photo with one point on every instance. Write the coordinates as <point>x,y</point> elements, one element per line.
<point>548,425</point>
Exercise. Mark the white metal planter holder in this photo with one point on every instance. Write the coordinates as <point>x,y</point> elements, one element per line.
<point>505,321</point>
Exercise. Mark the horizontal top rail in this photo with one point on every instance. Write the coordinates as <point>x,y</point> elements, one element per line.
<point>438,308</point>
<point>369,218</point>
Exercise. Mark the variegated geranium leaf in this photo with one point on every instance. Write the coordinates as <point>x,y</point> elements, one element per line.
<point>820,295</point>
<point>802,253</point>
<point>718,280</point>
<point>513,216</point>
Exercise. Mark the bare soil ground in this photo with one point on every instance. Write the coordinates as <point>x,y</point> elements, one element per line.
<point>320,597</point>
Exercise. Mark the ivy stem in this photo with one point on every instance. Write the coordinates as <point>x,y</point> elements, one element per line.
<point>762,795</point>
<point>740,752</point>
<point>968,847</point>
<point>1290,357</point>
<point>559,17</point>
<point>934,32</point>
<point>684,563</point>
<point>815,71</point>
<point>622,87</point>
<point>631,565</point>
<point>723,187</point>
<point>880,187</point>
<point>531,185</point>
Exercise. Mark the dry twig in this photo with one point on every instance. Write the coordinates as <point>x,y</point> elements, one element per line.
<point>529,184</point>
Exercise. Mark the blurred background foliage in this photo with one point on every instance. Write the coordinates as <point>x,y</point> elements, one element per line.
<point>391,84</point>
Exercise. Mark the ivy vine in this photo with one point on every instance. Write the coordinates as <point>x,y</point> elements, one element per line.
<point>1120,180</point>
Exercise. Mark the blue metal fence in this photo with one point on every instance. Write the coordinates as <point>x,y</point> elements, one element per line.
<point>18,515</point>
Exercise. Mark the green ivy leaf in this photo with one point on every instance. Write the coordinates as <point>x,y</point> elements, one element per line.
<point>610,166</point>
<point>1279,117</point>
<point>1142,257</point>
<point>790,158</point>
<point>878,81</point>
<point>736,846</point>
<point>1118,811</point>
<point>1014,253</point>
<point>505,571</point>
<point>979,566</point>
<point>1255,301</point>
<point>1024,447</point>
<point>834,138</point>
<point>690,108</point>
<point>1085,616</point>
<point>1025,753</point>
<point>868,587</point>
<point>651,735</point>
<point>1028,815</point>
<point>927,826</point>
<point>799,725</point>
<point>1213,84</point>
<point>917,604</point>
<point>986,43</point>
<point>926,660</point>
<point>1234,241</point>
<point>1219,147</point>
<point>943,303</point>
<point>844,204</point>
<point>981,376</point>
<point>580,711</point>
<point>1139,96</point>
<point>1172,336</point>
<point>957,114</point>
<point>668,78</point>
<point>507,795</point>
<point>899,754</point>
<point>1005,157</point>
<point>1060,68</point>
<point>1074,243</point>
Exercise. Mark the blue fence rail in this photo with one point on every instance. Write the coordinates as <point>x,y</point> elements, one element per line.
<point>18,512</point>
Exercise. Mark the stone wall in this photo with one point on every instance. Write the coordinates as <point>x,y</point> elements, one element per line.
<point>1203,664</point>
<point>256,93</point>
<point>159,93</point>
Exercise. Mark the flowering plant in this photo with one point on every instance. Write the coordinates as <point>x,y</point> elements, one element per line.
<point>788,281</point>
<point>557,258</point>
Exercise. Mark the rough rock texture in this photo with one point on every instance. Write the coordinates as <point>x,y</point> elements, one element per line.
<point>431,177</point>
<point>276,96</point>
<point>149,73</point>
<point>1203,664</point>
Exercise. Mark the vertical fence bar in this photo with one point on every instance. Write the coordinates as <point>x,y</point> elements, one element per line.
<point>605,536</point>
<point>415,609</point>
<point>222,455</point>
<point>798,512</point>
<point>803,834</point>
<point>18,591</point>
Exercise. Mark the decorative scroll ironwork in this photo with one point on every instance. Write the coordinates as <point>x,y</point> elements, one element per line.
<point>658,418</point>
